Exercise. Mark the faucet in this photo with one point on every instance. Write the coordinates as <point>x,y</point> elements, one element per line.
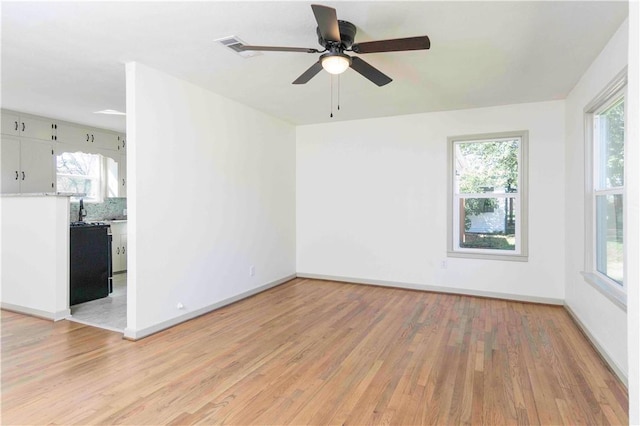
<point>81,212</point>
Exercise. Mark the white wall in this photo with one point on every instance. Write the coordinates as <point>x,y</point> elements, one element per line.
<point>372,202</point>
<point>606,322</point>
<point>211,186</point>
<point>34,267</point>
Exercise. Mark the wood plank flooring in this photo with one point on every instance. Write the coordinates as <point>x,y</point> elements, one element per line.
<point>316,352</point>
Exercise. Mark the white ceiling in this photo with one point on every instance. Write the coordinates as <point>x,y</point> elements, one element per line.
<point>66,59</point>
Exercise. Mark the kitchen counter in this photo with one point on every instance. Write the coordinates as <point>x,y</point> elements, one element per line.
<point>39,194</point>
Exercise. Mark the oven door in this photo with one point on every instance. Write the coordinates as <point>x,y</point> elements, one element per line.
<point>89,269</point>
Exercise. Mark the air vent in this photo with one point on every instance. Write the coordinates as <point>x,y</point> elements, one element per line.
<point>234,43</point>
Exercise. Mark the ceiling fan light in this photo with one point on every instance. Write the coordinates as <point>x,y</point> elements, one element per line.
<point>336,63</point>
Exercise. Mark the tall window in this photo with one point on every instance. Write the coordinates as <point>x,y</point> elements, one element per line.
<point>608,189</point>
<point>488,196</point>
<point>605,186</point>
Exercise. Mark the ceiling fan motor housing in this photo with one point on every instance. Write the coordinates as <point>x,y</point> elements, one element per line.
<point>347,36</point>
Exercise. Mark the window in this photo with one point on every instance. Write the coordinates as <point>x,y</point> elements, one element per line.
<point>87,175</point>
<point>605,134</point>
<point>487,197</point>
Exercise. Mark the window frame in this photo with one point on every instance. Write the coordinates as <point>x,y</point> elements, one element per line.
<point>522,207</point>
<point>100,181</point>
<point>611,94</point>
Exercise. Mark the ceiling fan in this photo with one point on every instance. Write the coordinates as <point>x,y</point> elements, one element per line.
<point>337,37</point>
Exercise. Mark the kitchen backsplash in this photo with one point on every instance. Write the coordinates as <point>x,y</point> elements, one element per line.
<point>112,208</point>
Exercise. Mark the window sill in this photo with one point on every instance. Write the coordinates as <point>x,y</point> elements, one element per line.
<point>489,256</point>
<point>603,286</point>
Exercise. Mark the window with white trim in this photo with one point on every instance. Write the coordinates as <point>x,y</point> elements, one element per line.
<point>605,140</point>
<point>89,176</point>
<point>487,196</point>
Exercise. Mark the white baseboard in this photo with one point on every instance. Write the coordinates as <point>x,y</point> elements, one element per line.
<point>53,316</point>
<point>437,289</point>
<point>130,334</point>
<point>599,348</point>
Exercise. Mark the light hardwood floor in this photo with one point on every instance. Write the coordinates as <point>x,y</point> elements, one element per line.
<point>316,352</point>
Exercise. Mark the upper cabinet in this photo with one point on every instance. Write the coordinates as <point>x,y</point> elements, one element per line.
<point>27,126</point>
<point>30,145</point>
<point>37,162</point>
<point>10,124</point>
<point>73,135</point>
<point>27,165</point>
<point>37,128</point>
<point>88,137</point>
<point>122,143</point>
<point>106,140</point>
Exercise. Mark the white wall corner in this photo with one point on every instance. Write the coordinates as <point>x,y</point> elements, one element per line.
<point>599,347</point>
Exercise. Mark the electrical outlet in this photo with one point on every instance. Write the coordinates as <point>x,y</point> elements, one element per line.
<point>180,306</point>
<point>444,264</point>
<point>252,270</point>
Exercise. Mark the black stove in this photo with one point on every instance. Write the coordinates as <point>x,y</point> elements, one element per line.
<point>76,224</point>
<point>90,261</point>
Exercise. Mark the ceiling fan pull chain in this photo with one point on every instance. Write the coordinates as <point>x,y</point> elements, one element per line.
<point>338,92</point>
<point>331,89</point>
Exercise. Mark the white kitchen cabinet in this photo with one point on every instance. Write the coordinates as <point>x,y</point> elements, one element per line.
<point>28,126</point>
<point>10,153</point>
<point>10,124</point>
<point>77,135</point>
<point>27,163</point>
<point>123,251</point>
<point>73,135</point>
<point>87,137</point>
<point>27,166</point>
<point>122,176</point>
<point>119,246</point>
<point>122,143</point>
<point>37,163</point>
<point>37,128</point>
<point>105,140</point>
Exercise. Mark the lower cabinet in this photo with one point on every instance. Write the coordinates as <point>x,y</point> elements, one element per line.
<point>119,246</point>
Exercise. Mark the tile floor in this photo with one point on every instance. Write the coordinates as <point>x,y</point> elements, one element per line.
<point>109,312</point>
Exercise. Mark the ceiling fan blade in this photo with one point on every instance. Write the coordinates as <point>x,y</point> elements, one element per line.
<point>243,47</point>
<point>327,22</point>
<point>309,74</point>
<point>393,45</point>
<point>369,72</point>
